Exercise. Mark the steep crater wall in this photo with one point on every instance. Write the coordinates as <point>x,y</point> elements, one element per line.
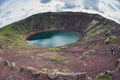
<point>79,22</point>
<point>88,25</point>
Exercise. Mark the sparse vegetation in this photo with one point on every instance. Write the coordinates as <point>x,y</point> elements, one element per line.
<point>104,76</point>
<point>53,56</point>
<point>57,48</point>
<point>64,47</point>
<point>53,49</point>
<point>91,25</point>
<point>58,58</point>
<point>110,39</point>
<point>12,38</point>
<point>94,30</point>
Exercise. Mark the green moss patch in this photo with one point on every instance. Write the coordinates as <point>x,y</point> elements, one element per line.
<point>53,49</point>
<point>110,39</point>
<point>58,58</point>
<point>95,31</point>
<point>104,76</point>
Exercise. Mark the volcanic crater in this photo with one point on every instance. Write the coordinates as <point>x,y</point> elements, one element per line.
<point>84,59</point>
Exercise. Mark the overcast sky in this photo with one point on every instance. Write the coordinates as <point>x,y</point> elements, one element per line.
<point>14,10</point>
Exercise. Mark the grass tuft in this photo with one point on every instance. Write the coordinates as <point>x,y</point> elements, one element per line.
<point>110,39</point>
<point>104,76</point>
<point>58,58</point>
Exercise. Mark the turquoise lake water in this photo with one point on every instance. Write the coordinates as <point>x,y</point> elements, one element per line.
<point>53,38</point>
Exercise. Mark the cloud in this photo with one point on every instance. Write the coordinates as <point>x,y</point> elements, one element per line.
<point>44,1</point>
<point>93,4</point>
<point>69,6</point>
<point>14,10</point>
